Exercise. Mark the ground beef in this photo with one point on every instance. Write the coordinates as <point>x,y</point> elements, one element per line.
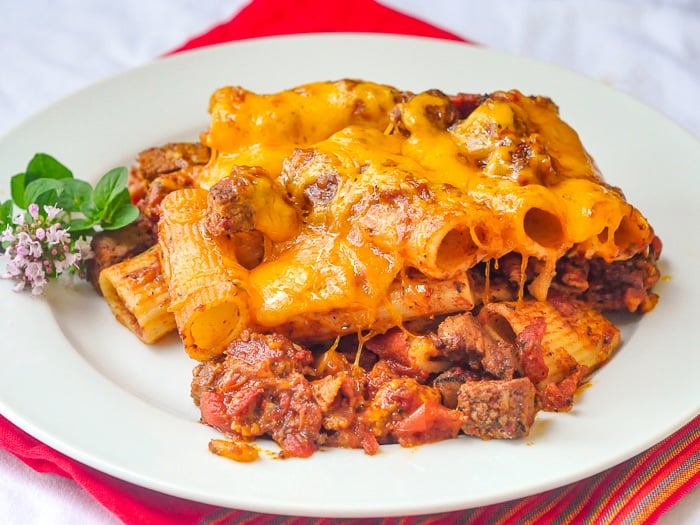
<point>620,285</point>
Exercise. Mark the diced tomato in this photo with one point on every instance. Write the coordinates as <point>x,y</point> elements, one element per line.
<point>213,410</point>
<point>430,422</point>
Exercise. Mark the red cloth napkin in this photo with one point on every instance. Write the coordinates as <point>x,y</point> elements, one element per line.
<point>286,17</point>
<point>640,489</point>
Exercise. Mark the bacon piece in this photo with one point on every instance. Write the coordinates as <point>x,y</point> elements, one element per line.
<point>377,376</point>
<point>338,396</point>
<point>395,348</point>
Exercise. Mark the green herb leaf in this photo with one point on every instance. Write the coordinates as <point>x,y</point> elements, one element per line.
<point>43,191</point>
<point>75,195</point>
<point>118,201</point>
<point>81,226</point>
<point>48,182</point>
<point>109,187</point>
<point>17,185</point>
<point>116,207</point>
<point>43,166</point>
<point>6,209</point>
<point>123,216</point>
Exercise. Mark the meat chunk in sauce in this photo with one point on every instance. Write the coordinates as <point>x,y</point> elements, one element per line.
<point>404,411</point>
<point>502,409</point>
<point>111,247</point>
<point>169,158</point>
<point>450,381</point>
<point>456,376</point>
<point>465,335</point>
<point>258,388</point>
<point>230,207</point>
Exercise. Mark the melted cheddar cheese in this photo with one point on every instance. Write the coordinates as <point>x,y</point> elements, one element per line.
<point>261,130</point>
<point>382,189</point>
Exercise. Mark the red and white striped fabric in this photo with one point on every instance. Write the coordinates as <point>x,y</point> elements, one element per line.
<point>640,490</point>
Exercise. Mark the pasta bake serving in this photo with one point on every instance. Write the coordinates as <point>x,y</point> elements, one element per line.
<point>352,265</point>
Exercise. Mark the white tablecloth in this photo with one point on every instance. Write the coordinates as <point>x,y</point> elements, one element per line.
<point>48,48</point>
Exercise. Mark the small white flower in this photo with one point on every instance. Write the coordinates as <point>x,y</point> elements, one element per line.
<point>56,235</point>
<point>35,249</point>
<point>23,238</point>
<point>33,210</point>
<point>35,252</point>
<point>14,268</point>
<point>52,212</point>
<point>8,235</point>
<point>34,271</point>
<point>84,248</point>
<point>60,266</point>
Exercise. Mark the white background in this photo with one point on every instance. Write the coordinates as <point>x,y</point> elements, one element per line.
<point>49,48</point>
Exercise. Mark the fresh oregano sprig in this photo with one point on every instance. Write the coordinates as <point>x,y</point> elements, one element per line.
<point>46,181</point>
<point>46,227</point>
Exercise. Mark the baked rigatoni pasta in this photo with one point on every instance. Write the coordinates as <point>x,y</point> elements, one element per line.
<point>136,291</point>
<point>380,266</point>
<point>205,280</point>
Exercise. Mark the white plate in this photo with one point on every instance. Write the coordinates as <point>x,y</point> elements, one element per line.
<point>74,378</point>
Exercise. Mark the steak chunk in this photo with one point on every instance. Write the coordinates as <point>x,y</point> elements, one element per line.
<point>464,334</point>
<point>231,202</point>
<point>501,409</point>
<point>168,158</point>
<point>450,381</point>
